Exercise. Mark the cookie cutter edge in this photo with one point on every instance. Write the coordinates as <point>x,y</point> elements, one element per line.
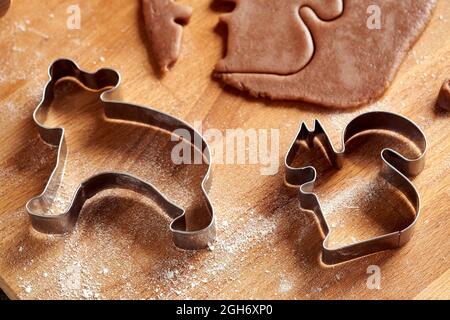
<point>109,80</point>
<point>395,169</point>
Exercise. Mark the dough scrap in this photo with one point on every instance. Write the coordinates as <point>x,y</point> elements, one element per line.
<point>444,96</point>
<point>351,65</point>
<point>4,7</point>
<point>164,20</point>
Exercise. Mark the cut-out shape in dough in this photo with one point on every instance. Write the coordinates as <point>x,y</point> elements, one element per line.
<point>351,64</point>
<point>283,46</point>
<point>444,96</point>
<point>164,20</point>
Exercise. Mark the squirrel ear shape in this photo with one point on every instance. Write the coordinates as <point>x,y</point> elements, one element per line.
<point>326,10</point>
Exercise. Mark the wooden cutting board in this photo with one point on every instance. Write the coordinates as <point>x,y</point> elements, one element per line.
<point>266,248</point>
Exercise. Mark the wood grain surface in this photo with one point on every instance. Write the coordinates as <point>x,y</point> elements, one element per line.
<point>266,247</point>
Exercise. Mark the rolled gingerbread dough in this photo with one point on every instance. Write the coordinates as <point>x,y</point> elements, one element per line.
<point>327,52</point>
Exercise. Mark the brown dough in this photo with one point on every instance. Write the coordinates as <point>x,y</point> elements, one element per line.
<point>310,50</point>
<point>444,96</point>
<point>4,7</point>
<point>284,46</point>
<point>163,23</point>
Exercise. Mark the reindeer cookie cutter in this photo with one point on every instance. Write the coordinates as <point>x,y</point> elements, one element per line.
<point>109,80</point>
<point>395,169</point>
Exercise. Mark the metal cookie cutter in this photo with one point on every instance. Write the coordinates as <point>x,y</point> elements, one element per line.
<point>395,169</point>
<point>114,109</point>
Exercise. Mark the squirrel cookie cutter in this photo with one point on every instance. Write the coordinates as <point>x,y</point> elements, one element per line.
<point>395,169</point>
<point>109,80</point>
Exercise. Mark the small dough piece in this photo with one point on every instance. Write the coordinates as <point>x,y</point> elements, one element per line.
<point>4,7</point>
<point>164,20</point>
<point>352,63</point>
<point>444,96</point>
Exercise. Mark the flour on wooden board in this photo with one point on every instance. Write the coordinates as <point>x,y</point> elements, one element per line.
<point>82,271</point>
